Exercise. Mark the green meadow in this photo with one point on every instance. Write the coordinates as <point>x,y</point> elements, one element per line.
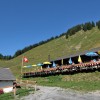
<point>81,81</point>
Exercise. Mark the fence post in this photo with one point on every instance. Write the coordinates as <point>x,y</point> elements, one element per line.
<point>35,85</point>
<point>14,90</point>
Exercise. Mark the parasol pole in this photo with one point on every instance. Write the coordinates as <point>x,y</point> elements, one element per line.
<point>62,61</point>
<point>49,57</point>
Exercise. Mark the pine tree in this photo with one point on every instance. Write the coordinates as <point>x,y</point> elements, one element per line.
<point>1,56</point>
<point>98,24</point>
<point>93,24</point>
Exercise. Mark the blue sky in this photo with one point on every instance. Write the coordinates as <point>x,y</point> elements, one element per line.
<point>26,22</point>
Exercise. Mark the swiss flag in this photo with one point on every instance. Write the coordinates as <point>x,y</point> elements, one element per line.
<point>25,59</point>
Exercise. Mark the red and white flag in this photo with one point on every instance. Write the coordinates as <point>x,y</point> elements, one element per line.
<point>25,59</point>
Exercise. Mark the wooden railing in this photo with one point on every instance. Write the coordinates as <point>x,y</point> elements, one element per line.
<point>68,68</point>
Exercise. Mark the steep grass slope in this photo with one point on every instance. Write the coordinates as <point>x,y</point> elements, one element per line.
<point>60,47</point>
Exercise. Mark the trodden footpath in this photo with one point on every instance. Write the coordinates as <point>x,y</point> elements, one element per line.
<point>56,93</point>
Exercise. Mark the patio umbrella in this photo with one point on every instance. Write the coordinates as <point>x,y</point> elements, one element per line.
<point>47,62</point>
<point>70,61</point>
<point>29,66</point>
<point>39,64</point>
<point>34,65</point>
<point>54,65</point>
<point>48,66</point>
<point>98,52</point>
<point>91,54</point>
<point>24,66</point>
<point>79,59</point>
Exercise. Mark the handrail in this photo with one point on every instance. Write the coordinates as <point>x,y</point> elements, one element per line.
<point>68,67</point>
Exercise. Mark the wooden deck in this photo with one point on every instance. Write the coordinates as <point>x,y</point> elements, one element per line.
<point>65,69</point>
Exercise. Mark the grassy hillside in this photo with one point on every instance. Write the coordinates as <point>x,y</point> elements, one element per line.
<point>60,47</point>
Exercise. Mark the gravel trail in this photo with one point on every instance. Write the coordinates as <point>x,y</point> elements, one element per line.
<point>56,93</point>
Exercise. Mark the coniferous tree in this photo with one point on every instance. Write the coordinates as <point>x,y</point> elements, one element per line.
<point>66,36</point>
<point>98,24</point>
<point>7,57</point>
<point>1,56</point>
<point>84,27</point>
<point>87,26</point>
<point>17,53</point>
<point>93,24</point>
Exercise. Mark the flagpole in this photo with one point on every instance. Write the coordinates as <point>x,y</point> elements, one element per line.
<point>22,66</point>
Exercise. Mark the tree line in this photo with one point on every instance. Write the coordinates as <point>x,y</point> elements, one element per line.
<point>71,31</point>
<point>19,52</point>
<point>85,27</point>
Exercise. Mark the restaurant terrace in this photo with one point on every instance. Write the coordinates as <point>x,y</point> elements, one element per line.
<point>86,61</point>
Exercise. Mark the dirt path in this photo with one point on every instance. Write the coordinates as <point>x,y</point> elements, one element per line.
<point>56,93</point>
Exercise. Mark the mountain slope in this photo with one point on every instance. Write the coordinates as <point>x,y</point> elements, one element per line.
<point>56,48</point>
